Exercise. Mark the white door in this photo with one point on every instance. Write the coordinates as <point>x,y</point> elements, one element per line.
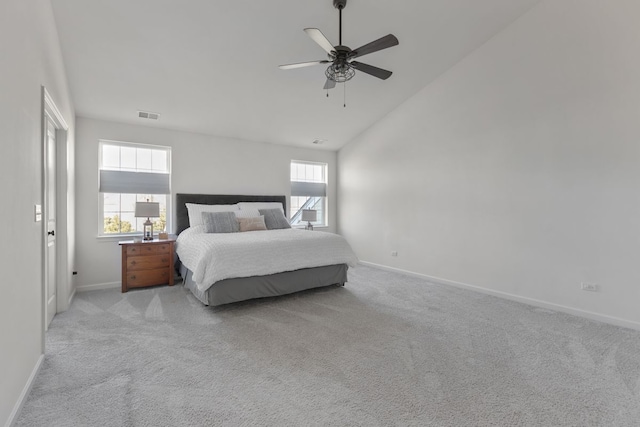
<point>50,212</point>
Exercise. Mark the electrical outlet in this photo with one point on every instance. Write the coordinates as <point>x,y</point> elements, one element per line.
<point>591,287</point>
<point>394,253</point>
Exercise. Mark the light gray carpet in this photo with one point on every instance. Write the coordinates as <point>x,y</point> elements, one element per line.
<point>386,350</point>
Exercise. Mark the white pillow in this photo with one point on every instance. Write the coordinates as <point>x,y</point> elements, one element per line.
<point>260,205</point>
<point>195,211</point>
<point>247,213</point>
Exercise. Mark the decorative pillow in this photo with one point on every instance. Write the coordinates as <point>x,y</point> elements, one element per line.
<point>195,211</point>
<point>274,219</point>
<point>220,222</point>
<point>252,224</point>
<point>260,205</point>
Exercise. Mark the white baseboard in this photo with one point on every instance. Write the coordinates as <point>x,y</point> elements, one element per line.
<point>25,393</point>
<point>529,301</point>
<point>98,286</point>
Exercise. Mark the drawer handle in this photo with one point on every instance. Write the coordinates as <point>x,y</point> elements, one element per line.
<point>133,263</point>
<point>133,277</point>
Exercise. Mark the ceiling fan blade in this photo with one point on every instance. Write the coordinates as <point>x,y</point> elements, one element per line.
<point>382,43</point>
<point>370,69</point>
<point>319,38</point>
<point>301,64</point>
<point>329,84</point>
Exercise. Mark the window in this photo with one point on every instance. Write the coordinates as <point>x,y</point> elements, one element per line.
<point>131,173</point>
<point>308,191</point>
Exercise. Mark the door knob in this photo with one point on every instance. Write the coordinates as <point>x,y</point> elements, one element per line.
<point>51,233</point>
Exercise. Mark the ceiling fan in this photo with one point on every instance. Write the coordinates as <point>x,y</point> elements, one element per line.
<point>341,58</point>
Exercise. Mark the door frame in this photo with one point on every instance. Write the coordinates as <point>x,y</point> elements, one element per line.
<point>51,111</point>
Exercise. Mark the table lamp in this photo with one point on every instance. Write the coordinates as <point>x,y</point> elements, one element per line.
<point>150,210</point>
<point>310,216</point>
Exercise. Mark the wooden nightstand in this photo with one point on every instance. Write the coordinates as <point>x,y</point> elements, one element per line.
<point>146,263</point>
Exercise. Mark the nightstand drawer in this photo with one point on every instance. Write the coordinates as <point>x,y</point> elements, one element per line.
<point>148,249</point>
<point>147,262</point>
<point>142,278</point>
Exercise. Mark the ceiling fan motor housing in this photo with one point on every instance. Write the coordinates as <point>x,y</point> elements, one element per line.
<point>339,4</point>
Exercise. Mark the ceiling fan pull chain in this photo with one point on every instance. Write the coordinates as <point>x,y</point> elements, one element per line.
<point>345,94</point>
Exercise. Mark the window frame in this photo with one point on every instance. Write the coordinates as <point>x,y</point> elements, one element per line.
<point>324,222</point>
<point>100,219</point>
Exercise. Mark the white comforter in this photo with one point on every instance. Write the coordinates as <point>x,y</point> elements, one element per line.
<point>218,256</point>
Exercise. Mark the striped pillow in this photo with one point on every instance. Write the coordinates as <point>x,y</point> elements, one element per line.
<point>274,219</point>
<point>220,222</point>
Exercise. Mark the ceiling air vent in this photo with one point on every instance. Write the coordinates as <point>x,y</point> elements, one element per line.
<point>148,115</point>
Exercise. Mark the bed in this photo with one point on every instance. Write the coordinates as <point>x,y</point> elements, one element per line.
<point>230,267</point>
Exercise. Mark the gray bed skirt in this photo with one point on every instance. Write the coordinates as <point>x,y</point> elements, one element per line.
<point>245,288</point>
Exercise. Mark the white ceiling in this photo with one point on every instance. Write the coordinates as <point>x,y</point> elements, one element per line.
<point>211,66</point>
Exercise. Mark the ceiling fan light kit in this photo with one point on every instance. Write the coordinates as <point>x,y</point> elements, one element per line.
<point>342,66</point>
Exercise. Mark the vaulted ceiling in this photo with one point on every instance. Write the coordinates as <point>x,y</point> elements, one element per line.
<point>211,66</point>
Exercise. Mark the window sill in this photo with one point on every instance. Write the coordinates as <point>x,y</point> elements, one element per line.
<point>114,237</point>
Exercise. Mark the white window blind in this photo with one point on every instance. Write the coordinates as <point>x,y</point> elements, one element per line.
<point>134,182</point>
<point>311,189</point>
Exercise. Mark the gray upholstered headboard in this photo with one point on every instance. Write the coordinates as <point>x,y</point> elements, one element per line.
<point>216,199</point>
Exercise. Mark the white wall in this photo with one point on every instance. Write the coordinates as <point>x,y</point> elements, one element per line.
<point>518,170</point>
<point>200,164</point>
<point>30,57</point>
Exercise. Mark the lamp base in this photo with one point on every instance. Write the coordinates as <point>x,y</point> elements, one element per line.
<point>148,230</point>
<point>308,226</point>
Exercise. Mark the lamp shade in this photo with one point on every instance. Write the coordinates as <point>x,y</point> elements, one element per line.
<point>147,210</point>
<point>309,215</point>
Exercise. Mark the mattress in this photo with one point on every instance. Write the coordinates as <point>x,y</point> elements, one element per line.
<point>213,257</point>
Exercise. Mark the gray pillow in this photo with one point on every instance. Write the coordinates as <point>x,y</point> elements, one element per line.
<point>274,219</point>
<point>220,222</point>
